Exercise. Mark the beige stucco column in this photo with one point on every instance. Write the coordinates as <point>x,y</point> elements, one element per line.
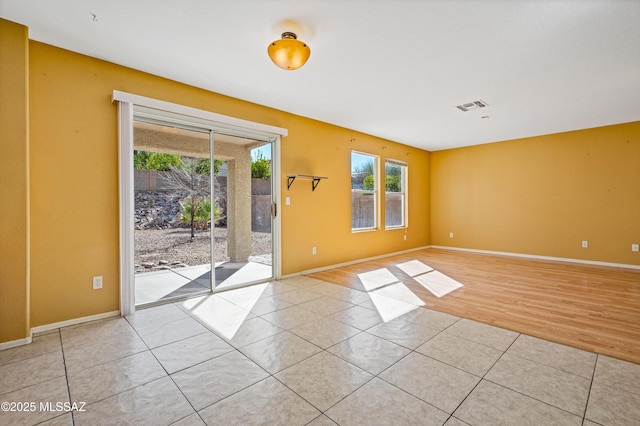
<point>238,200</point>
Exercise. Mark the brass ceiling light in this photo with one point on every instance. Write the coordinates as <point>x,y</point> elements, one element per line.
<point>289,53</point>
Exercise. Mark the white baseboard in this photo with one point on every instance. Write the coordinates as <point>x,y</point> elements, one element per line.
<point>535,256</point>
<point>14,343</point>
<point>75,321</point>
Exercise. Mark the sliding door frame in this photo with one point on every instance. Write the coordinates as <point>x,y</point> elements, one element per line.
<point>217,123</point>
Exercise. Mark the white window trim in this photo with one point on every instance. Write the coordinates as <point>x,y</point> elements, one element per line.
<point>221,122</point>
<point>405,192</point>
<point>375,192</point>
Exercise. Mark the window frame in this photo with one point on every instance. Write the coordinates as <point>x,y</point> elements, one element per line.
<point>374,192</point>
<point>404,173</point>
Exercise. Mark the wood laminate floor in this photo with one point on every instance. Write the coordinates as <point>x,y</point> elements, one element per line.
<point>595,308</point>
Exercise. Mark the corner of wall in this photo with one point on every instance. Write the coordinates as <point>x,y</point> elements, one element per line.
<point>14,175</point>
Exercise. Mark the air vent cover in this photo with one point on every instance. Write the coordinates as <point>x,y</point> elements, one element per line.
<point>472,105</point>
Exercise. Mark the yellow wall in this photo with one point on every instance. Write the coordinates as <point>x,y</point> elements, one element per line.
<point>14,178</point>
<point>74,173</point>
<point>542,195</point>
<point>322,218</point>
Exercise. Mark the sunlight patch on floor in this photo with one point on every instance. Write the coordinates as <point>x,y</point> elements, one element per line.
<point>218,314</point>
<point>438,283</point>
<point>376,279</point>
<point>389,308</point>
<point>399,292</point>
<point>414,267</point>
<point>390,297</point>
<point>393,299</point>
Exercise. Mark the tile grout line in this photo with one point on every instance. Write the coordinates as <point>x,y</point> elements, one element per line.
<point>117,359</point>
<point>526,359</point>
<point>593,376</point>
<point>534,398</point>
<point>120,358</point>
<point>300,396</point>
<point>238,350</point>
<point>66,376</point>
<point>545,366</point>
<point>145,383</point>
<point>168,375</point>
<point>412,351</point>
<point>374,376</point>
<point>163,367</point>
<point>485,373</point>
<point>377,376</point>
<point>322,413</point>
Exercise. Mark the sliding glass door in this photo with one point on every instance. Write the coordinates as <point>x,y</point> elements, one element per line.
<point>179,222</point>
<point>175,210</point>
<point>244,241</point>
<point>198,209</point>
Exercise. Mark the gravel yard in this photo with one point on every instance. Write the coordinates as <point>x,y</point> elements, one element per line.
<point>175,245</point>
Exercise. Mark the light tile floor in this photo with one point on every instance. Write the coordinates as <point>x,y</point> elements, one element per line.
<point>302,351</point>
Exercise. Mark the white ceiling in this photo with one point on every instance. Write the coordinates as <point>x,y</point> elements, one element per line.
<point>390,68</point>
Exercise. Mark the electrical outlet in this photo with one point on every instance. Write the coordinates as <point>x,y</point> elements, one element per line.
<point>450,234</point>
<point>405,237</point>
<point>313,250</point>
<point>634,247</point>
<point>97,283</point>
<point>585,244</point>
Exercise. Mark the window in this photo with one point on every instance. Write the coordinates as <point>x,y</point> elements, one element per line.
<point>395,178</point>
<point>363,191</point>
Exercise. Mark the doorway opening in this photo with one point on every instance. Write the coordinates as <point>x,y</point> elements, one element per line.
<point>175,209</point>
<point>217,222</point>
<point>201,199</point>
<point>239,260</point>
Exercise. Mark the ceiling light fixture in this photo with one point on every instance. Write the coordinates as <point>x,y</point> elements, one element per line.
<point>289,53</point>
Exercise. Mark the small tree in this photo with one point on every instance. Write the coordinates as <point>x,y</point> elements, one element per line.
<point>191,185</point>
<point>362,176</point>
<point>367,183</point>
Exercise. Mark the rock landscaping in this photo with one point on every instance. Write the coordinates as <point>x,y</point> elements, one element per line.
<point>163,242</point>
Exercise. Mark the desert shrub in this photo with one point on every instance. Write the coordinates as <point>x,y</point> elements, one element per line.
<point>392,183</point>
<point>163,162</point>
<point>140,159</point>
<point>261,167</point>
<point>367,183</point>
<point>201,208</point>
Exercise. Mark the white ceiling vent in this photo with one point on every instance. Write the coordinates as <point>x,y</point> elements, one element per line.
<point>472,105</point>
